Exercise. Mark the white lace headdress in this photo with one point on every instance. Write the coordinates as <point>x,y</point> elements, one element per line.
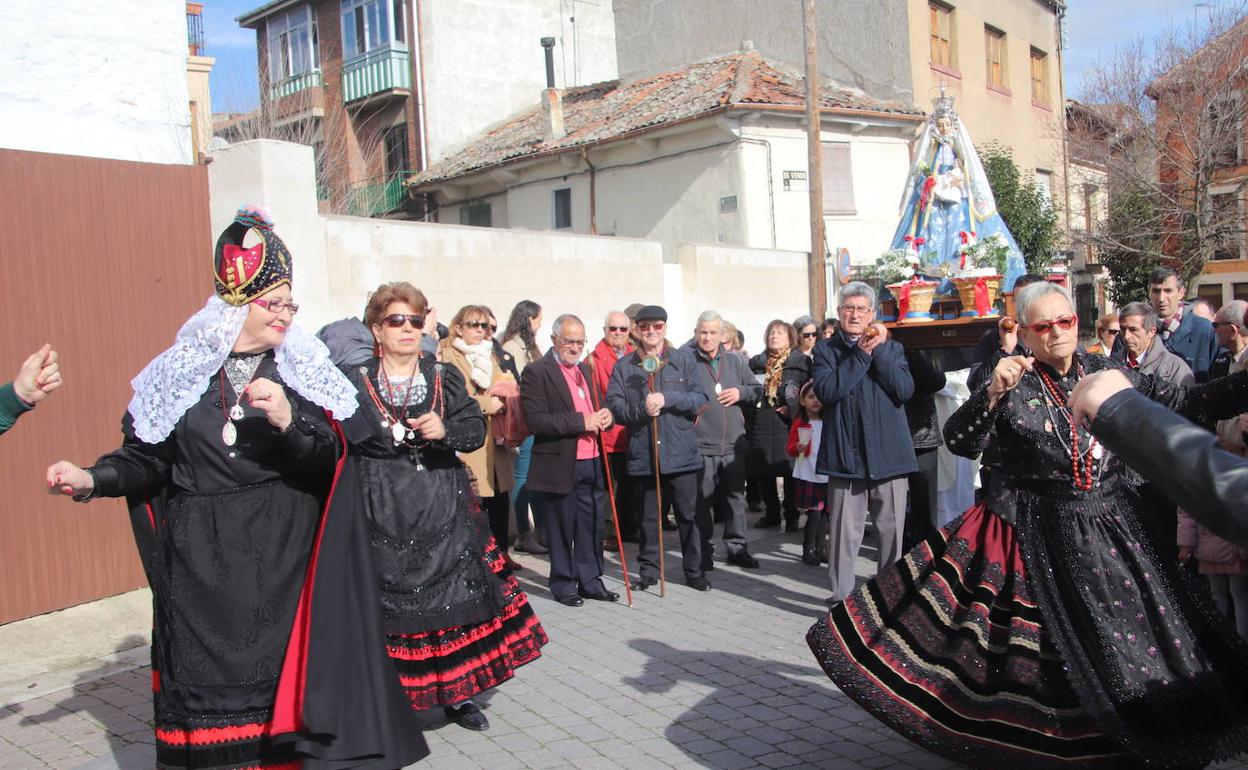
<point>178,377</point>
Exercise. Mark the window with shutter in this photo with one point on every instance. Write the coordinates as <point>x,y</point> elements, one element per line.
<point>838,179</point>
<point>994,58</point>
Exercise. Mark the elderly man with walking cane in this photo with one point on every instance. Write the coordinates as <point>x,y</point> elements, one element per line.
<point>654,394</point>
<point>566,473</point>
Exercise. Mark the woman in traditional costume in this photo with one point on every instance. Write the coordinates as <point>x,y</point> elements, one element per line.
<point>267,648</point>
<point>948,204</point>
<point>1040,629</point>
<point>455,625</point>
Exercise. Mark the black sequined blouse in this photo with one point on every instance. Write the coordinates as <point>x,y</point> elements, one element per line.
<point>1140,650</point>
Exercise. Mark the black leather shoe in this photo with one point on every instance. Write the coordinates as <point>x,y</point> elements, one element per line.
<point>743,559</point>
<point>811,558</point>
<point>700,584</point>
<point>708,566</point>
<point>644,583</point>
<point>766,523</point>
<point>605,596</point>
<point>571,601</point>
<point>467,715</point>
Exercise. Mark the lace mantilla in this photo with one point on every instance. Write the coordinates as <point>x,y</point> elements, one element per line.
<point>173,381</point>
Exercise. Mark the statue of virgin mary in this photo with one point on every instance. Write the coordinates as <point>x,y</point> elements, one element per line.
<point>948,204</point>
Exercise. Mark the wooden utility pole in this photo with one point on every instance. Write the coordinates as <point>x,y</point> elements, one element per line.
<point>814,174</point>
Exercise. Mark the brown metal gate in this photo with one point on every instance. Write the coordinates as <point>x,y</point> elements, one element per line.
<point>104,259</point>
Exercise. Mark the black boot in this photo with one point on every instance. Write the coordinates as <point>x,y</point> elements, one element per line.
<point>810,539</point>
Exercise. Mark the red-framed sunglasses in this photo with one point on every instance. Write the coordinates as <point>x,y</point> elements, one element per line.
<point>1065,323</point>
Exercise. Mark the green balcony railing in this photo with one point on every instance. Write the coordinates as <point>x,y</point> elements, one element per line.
<point>377,196</point>
<point>310,79</point>
<point>374,72</point>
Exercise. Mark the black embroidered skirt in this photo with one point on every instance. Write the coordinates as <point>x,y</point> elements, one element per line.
<point>1056,642</point>
<point>226,578</point>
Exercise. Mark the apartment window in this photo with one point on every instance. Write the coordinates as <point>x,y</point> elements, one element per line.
<point>562,205</point>
<point>1223,130</point>
<point>1044,183</point>
<point>838,179</point>
<point>395,140</point>
<point>994,57</point>
<point>1212,292</point>
<point>941,17</point>
<point>293,46</point>
<point>371,24</point>
<point>1227,225</point>
<point>478,214</point>
<point>1239,290</point>
<point>1039,77</point>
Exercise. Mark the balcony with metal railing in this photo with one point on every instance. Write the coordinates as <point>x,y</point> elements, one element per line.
<point>195,29</point>
<point>295,84</point>
<point>377,196</point>
<point>378,72</point>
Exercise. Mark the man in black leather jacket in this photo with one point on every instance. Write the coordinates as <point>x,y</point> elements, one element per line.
<point>1209,483</point>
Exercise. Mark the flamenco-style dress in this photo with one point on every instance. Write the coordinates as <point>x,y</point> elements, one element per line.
<point>253,565</point>
<point>456,622</point>
<point>1040,629</point>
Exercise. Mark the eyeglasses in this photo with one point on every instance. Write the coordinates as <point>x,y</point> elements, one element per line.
<point>1216,324</point>
<point>646,326</point>
<point>572,343</point>
<point>1044,327</point>
<point>851,310</point>
<point>809,335</point>
<point>1116,332</point>
<point>396,320</point>
<point>480,325</point>
<point>276,306</point>
<point>617,328</point>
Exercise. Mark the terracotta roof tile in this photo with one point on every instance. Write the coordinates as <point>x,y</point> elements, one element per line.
<point>607,111</point>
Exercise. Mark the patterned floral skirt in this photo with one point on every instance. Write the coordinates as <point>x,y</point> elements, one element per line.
<point>450,665</point>
<point>998,645</point>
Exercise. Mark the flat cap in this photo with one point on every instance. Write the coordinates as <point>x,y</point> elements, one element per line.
<point>650,313</point>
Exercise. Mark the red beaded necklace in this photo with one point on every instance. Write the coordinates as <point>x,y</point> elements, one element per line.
<point>1080,462</point>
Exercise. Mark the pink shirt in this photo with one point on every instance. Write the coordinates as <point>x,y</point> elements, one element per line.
<point>586,444</point>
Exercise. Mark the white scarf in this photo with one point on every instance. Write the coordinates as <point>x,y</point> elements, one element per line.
<point>174,380</point>
<point>481,358</point>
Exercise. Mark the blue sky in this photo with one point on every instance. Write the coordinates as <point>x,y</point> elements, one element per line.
<point>1094,29</point>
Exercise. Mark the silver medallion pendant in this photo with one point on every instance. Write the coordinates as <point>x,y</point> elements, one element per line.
<point>1097,451</point>
<point>229,434</point>
<point>410,435</point>
<point>718,388</point>
<point>398,432</point>
<point>385,425</point>
<point>236,412</point>
<point>580,393</point>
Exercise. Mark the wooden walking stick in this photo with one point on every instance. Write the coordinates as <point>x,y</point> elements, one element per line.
<point>606,473</point>
<point>652,366</point>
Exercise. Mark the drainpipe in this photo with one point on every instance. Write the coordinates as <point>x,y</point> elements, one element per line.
<point>593,193</point>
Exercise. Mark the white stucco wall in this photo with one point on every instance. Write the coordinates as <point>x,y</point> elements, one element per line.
<point>484,61</point>
<point>105,80</point>
<point>339,260</point>
<point>672,190</point>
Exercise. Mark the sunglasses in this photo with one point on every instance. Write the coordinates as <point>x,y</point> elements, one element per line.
<point>480,325</point>
<point>277,306</point>
<point>396,320</point>
<point>617,328</point>
<point>1044,327</point>
<point>646,326</point>
<point>1116,332</point>
<point>809,335</point>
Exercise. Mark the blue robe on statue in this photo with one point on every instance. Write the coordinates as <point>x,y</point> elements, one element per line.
<point>946,197</point>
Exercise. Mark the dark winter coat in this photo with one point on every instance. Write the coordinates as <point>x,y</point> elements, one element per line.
<point>721,429</point>
<point>676,380</point>
<point>865,434</point>
<point>921,408</point>
<point>768,428</point>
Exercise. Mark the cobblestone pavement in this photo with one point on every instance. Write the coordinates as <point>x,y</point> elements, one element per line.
<point>716,680</point>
